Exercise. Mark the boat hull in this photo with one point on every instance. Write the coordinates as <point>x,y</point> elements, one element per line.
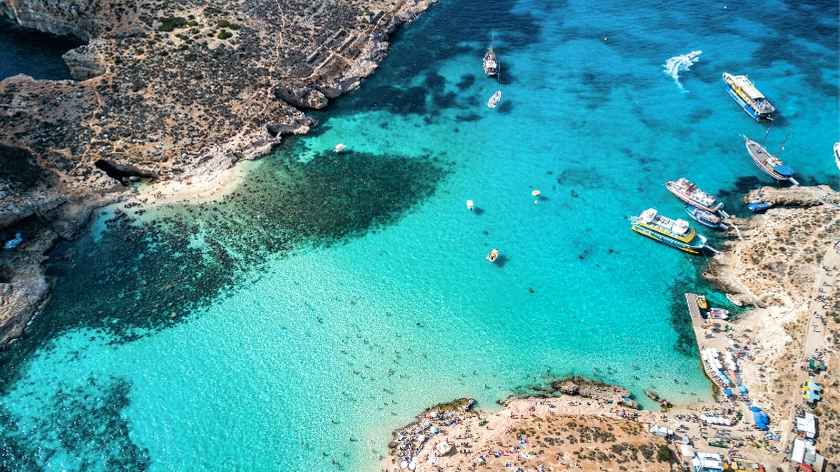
<point>748,109</point>
<point>692,202</point>
<point>760,162</point>
<point>692,212</point>
<point>685,247</point>
<point>837,155</point>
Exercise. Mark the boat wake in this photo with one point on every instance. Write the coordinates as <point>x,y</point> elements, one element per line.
<point>677,64</point>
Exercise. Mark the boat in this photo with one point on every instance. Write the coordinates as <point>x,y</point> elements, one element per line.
<point>702,303</point>
<point>493,255</point>
<point>14,243</point>
<point>491,67</point>
<point>837,155</point>
<point>470,205</point>
<point>705,218</point>
<point>689,193</point>
<point>758,206</point>
<point>718,313</point>
<point>770,164</point>
<point>675,233</point>
<point>494,99</point>
<point>745,94</point>
<point>686,191</point>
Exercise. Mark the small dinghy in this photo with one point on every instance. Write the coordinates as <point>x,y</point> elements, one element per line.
<point>494,99</point>
<point>705,218</point>
<point>13,244</point>
<point>492,256</point>
<point>470,205</point>
<point>837,155</point>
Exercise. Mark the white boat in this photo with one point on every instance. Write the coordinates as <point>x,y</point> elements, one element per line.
<point>470,205</point>
<point>837,155</point>
<point>718,313</point>
<point>491,67</point>
<point>492,256</point>
<point>494,99</point>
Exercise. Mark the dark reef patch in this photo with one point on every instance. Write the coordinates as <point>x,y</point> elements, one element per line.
<point>466,117</point>
<point>84,422</point>
<point>686,344</point>
<point>432,44</point>
<point>467,81</point>
<point>586,177</point>
<point>505,107</point>
<point>179,262</point>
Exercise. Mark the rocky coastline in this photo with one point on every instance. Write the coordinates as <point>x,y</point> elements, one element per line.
<point>784,265</point>
<point>164,93</point>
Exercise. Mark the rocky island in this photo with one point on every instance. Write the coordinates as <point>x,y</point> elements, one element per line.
<point>784,265</point>
<point>164,92</point>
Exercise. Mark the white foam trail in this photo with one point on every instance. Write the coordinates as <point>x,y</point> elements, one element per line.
<point>677,64</point>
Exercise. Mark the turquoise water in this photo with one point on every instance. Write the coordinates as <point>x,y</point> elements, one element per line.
<point>331,298</point>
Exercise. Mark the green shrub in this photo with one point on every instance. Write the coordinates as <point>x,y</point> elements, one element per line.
<point>229,25</point>
<point>172,23</point>
<point>224,34</point>
<point>664,454</point>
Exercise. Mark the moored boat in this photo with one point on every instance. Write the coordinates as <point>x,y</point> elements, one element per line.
<point>718,313</point>
<point>494,99</point>
<point>770,164</point>
<point>750,99</point>
<point>758,206</point>
<point>492,256</point>
<point>688,192</point>
<point>837,155</point>
<point>491,67</point>
<point>675,233</point>
<point>705,218</point>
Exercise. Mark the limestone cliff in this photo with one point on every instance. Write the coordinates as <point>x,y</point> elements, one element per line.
<point>165,90</point>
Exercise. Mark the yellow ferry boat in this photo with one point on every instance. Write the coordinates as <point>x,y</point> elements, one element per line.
<point>674,233</point>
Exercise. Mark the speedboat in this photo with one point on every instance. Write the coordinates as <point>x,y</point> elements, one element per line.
<point>494,99</point>
<point>747,96</point>
<point>705,218</point>
<point>686,191</point>
<point>770,164</point>
<point>675,233</point>
<point>492,256</point>
<point>491,67</point>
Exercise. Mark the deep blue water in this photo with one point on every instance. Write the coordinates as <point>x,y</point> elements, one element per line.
<point>32,53</point>
<point>294,324</point>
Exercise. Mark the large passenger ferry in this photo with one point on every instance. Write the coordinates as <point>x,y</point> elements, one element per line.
<point>742,90</point>
<point>674,233</point>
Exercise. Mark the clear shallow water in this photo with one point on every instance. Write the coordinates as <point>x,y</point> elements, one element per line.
<point>362,295</point>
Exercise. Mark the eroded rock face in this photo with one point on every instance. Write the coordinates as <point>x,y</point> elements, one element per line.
<point>169,89</point>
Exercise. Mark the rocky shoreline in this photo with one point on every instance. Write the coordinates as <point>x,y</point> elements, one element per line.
<point>167,93</point>
<point>785,264</point>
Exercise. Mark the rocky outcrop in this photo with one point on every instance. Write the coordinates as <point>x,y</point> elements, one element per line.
<point>87,61</point>
<point>170,89</point>
<point>771,258</point>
